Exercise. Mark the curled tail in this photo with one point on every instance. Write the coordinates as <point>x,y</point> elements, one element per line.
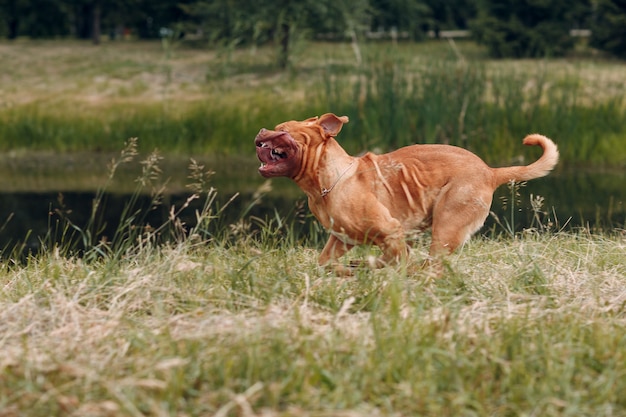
<point>540,168</point>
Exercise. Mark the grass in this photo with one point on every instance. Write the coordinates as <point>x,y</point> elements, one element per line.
<point>235,318</point>
<point>516,327</point>
<point>239,320</point>
<point>194,102</point>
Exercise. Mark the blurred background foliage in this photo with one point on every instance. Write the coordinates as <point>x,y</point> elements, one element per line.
<point>508,28</point>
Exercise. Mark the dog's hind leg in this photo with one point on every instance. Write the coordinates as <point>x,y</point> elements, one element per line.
<point>455,220</point>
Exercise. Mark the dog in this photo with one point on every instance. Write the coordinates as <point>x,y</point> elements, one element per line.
<point>385,199</point>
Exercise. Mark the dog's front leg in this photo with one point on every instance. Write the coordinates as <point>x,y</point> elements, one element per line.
<point>394,248</point>
<point>333,250</point>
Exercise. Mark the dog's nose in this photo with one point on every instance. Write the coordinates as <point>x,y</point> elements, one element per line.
<point>259,137</point>
<point>261,133</point>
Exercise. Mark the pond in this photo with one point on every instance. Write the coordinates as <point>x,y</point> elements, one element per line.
<point>36,189</point>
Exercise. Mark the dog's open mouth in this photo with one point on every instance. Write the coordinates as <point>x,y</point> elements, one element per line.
<point>276,151</point>
<point>274,154</point>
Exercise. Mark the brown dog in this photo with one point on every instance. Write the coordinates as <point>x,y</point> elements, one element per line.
<point>383,199</point>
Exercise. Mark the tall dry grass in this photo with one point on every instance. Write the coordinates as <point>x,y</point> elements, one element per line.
<point>525,326</point>
<point>193,101</point>
<point>243,322</point>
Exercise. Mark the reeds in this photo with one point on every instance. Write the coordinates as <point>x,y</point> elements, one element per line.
<point>396,97</point>
<point>487,111</point>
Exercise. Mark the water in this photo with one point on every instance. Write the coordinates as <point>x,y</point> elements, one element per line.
<point>571,200</point>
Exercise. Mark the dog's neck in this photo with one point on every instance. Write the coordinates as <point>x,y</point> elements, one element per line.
<point>331,168</point>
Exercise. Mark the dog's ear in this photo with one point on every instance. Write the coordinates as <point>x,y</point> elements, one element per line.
<point>332,124</point>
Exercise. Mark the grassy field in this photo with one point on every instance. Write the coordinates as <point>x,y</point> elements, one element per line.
<point>235,318</point>
<point>72,96</point>
<point>518,327</point>
<point>238,320</point>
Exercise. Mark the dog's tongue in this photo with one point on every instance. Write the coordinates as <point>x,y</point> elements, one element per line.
<point>264,154</point>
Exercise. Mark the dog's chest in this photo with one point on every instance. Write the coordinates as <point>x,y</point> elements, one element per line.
<point>318,207</point>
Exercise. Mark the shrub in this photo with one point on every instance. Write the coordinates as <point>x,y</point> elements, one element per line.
<point>527,28</point>
<point>609,27</point>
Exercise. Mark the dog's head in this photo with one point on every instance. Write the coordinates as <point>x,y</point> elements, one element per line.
<point>282,151</point>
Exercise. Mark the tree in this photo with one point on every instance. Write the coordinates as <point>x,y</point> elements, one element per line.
<point>10,12</point>
<point>608,28</point>
<point>452,14</point>
<point>527,28</point>
<point>241,22</point>
<point>91,18</point>
<point>35,18</point>
<point>412,16</point>
<point>148,17</point>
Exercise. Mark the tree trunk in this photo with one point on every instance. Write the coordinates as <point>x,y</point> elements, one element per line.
<point>13,21</point>
<point>13,25</point>
<point>82,21</point>
<point>283,55</point>
<point>95,23</point>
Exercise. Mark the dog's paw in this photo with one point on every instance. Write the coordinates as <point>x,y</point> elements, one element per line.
<point>340,270</point>
<point>433,267</point>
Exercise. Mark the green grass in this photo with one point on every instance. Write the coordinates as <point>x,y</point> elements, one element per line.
<point>240,320</point>
<point>515,327</point>
<point>192,101</point>
<point>235,318</point>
